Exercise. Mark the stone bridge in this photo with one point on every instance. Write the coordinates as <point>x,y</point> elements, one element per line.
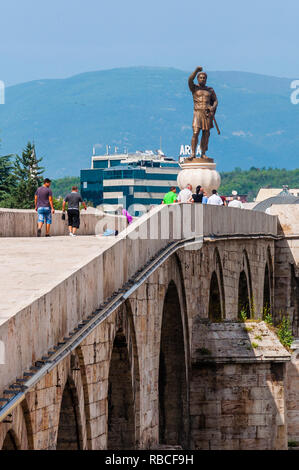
<point>135,341</point>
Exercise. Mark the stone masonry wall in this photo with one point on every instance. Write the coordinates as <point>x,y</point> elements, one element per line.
<point>23,223</point>
<point>237,407</point>
<point>292,401</point>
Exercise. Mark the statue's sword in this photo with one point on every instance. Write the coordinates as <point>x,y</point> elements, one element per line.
<point>218,130</point>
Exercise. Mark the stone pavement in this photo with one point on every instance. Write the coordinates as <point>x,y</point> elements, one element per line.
<point>30,267</point>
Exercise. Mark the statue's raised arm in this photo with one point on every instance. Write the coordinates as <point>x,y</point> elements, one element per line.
<point>192,77</point>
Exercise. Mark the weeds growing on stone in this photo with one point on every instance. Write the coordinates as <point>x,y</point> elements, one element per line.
<point>204,351</point>
<point>284,333</point>
<point>243,315</point>
<point>267,317</point>
<point>293,444</point>
<point>248,328</point>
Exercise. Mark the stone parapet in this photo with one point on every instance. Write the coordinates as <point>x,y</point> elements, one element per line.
<point>23,223</point>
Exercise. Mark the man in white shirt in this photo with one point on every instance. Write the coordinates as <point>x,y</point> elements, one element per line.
<point>185,194</point>
<point>215,200</point>
<point>235,203</point>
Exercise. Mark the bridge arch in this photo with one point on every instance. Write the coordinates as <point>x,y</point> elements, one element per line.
<point>216,294</point>
<point>173,370</point>
<point>69,434</point>
<point>73,429</point>
<point>245,295</point>
<point>124,385</point>
<point>17,435</point>
<point>11,441</point>
<point>268,283</point>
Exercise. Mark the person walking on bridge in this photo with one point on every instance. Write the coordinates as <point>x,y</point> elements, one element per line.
<point>73,199</point>
<point>43,201</point>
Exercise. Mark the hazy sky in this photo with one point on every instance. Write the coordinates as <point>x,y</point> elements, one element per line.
<point>60,38</point>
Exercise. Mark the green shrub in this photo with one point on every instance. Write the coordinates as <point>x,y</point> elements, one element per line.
<point>293,444</point>
<point>243,315</point>
<point>267,317</point>
<point>284,333</point>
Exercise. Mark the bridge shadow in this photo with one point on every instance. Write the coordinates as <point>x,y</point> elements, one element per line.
<point>11,441</point>
<point>121,419</point>
<point>173,394</point>
<point>70,427</point>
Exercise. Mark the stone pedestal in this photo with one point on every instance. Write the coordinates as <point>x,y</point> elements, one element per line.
<point>199,171</point>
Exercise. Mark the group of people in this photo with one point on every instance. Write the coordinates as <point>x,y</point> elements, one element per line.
<point>200,196</point>
<point>44,207</point>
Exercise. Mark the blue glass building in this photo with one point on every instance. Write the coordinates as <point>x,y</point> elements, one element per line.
<point>129,180</point>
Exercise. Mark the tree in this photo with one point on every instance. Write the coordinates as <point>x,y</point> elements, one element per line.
<point>5,176</point>
<point>7,184</point>
<point>28,177</point>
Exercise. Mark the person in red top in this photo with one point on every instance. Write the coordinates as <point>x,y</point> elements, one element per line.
<point>44,206</point>
<point>223,200</point>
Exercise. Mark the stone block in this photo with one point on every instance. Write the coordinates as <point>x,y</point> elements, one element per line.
<point>98,408</point>
<point>249,380</point>
<point>98,443</point>
<point>254,444</point>
<point>200,444</point>
<point>229,407</point>
<point>98,426</point>
<point>46,397</point>
<point>259,420</point>
<point>264,432</point>
<point>226,444</point>
<point>238,432</point>
<point>42,440</point>
<point>232,393</point>
<point>258,393</point>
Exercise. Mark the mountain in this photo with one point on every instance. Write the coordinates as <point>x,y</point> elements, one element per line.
<point>133,107</point>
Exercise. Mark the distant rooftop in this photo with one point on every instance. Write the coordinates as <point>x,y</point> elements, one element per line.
<point>266,193</point>
<point>138,154</point>
<point>283,197</point>
<point>131,158</point>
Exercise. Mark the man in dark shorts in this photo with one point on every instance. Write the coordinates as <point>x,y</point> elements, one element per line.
<point>73,199</point>
<point>43,200</point>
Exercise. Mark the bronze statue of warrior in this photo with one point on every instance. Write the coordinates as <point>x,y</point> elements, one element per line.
<point>205,105</point>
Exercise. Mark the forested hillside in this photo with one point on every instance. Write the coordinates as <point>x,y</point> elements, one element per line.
<point>134,107</point>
